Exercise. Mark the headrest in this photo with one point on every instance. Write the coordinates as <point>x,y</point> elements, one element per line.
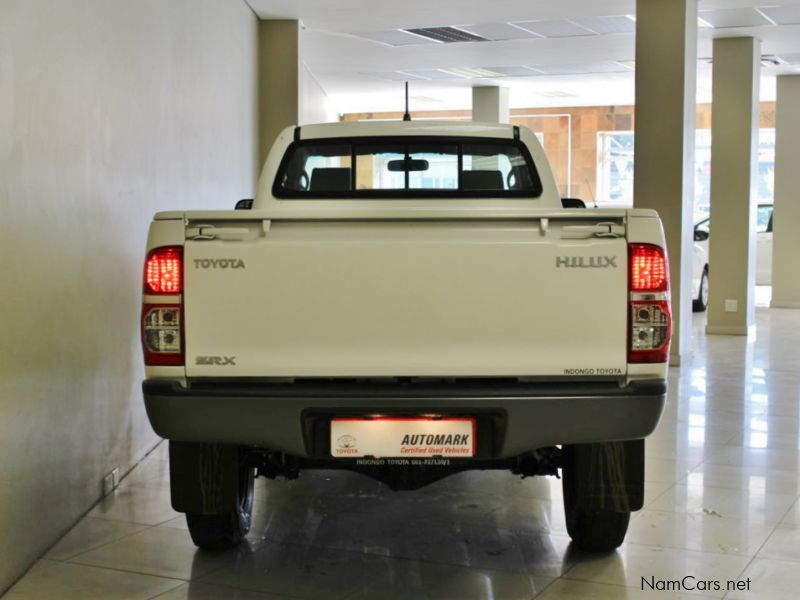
<point>332,179</point>
<point>482,180</point>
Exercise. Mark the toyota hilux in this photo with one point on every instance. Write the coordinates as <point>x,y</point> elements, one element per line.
<point>407,300</point>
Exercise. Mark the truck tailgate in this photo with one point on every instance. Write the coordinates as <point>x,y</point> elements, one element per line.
<point>406,298</point>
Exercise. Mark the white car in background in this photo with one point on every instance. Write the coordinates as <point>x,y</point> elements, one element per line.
<point>763,255</point>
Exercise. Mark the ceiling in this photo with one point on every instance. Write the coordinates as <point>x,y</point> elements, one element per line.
<point>549,54</point>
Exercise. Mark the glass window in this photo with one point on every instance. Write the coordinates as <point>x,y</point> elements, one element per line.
<point>323,167</point>
<point>766,165</point>
<point>489,167</point>
<point>384,167</point>
<point>377,167</point>
<point>433,167</point>
<point>764,219</point>
<point>615,168</point>
<point>702,174</point>
<point>407,167</point>
<point>765,183</point>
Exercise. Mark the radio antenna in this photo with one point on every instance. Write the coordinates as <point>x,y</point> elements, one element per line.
<point>407,115</point>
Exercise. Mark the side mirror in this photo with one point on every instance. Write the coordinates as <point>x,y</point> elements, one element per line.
<point>700,235</point>
<point>244,204</point>
<point>572,203</point>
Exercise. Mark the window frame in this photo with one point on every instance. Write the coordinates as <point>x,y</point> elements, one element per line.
<point>282,193</point>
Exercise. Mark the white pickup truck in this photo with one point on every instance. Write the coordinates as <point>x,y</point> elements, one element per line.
<point>407,300</point>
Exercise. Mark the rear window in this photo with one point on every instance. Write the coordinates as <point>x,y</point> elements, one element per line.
<point>407,167</point>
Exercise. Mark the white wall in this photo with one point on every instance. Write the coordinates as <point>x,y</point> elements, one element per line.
<point>315,106</point>
<point>109,111</point>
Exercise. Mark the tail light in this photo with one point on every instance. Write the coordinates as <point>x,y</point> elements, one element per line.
<point>162,334</point>
<point>162,323</point>
<point>163,271</point>
<point>650,320</point>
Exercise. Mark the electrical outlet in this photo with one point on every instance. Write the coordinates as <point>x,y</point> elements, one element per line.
<point>110,482</point>
<point>731,306</point>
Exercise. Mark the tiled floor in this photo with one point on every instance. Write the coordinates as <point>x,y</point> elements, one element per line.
<point>723,481</point>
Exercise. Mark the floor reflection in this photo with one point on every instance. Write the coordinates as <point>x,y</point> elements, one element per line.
<point>722,485</point>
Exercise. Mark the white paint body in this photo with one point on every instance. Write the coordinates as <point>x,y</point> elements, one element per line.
<point>420,287</point>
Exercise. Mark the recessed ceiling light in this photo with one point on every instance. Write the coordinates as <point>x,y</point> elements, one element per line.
<point>394,37</point>
<point>555,28</point>
<point>782,15</point>
<point>432,74</point>
<point>473,73</point>
<point>514,71</point>
<point>499,31</point>
<point>604,66</point>
<point>558,69</point>
<point>734,17</point>
<point>555,94</point>
<point>608,25</point>
<point>395,76</point>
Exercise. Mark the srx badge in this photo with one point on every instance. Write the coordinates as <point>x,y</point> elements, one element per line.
<point>216,361</point>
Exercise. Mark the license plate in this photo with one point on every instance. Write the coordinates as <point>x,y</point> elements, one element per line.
<point>393,437</point>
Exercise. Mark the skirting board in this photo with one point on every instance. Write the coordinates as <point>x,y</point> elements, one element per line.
<point>784,304</point>
<point>676,360</point>
<point>729,329</point>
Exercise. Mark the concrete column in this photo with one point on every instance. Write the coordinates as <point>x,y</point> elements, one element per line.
<point>786,218</point>
<point>734,164</point>
<point>490,104</point>
<point>279,64</point>
<point>666,63</point>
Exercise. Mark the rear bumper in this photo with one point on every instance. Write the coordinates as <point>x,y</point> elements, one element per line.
<point>284,417</point>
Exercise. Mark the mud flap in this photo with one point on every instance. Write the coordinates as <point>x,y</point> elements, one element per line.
<point>203,477</point>
<point>608,476</point>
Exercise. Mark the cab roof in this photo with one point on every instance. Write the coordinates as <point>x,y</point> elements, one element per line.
<point>349,129</point>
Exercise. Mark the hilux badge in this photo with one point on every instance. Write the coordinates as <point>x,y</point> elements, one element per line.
<point>586,262</point>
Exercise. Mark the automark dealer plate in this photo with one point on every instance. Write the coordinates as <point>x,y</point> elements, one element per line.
<point>390,437</point>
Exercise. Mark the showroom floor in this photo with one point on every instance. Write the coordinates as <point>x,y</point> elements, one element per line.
<point>723,479</point>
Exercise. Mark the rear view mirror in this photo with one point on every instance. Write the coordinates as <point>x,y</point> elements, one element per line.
<point>244,204</point>
<point>700,235</point>
<point>408,165</point>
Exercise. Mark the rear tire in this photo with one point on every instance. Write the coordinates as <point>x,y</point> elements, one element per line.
<point>225,529</point>
<point>700,303</point>
<point>591,530</point>
<point>598,531</point>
